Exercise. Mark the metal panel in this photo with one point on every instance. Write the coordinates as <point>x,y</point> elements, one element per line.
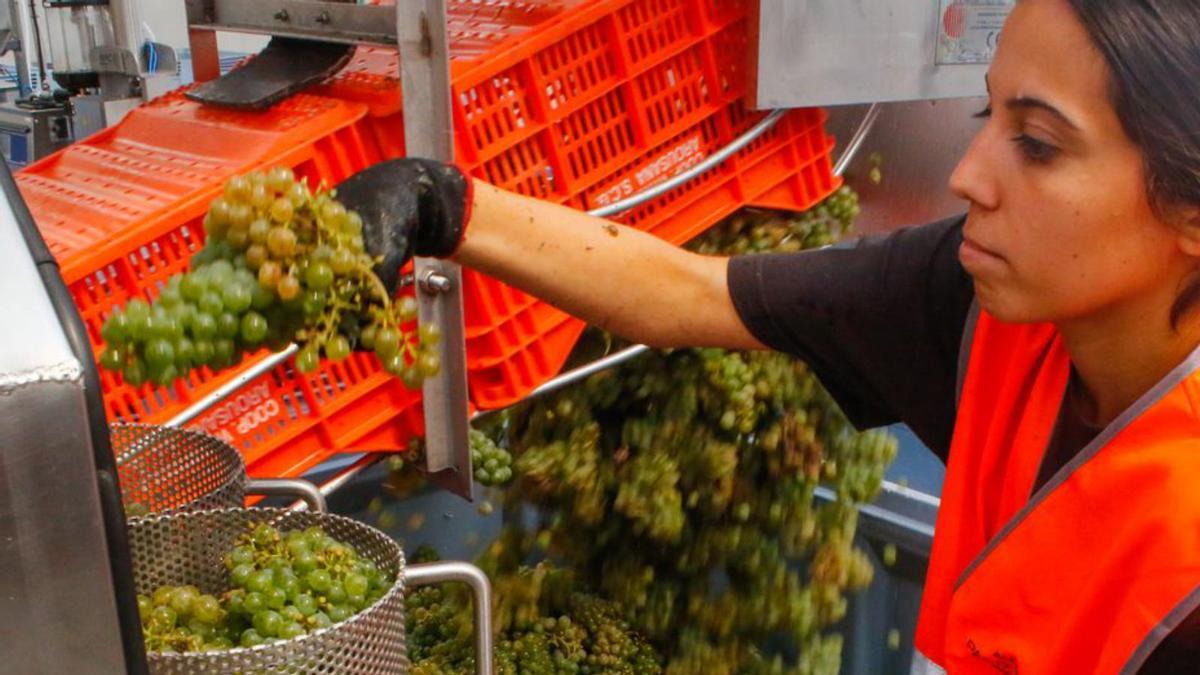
<point>327,21</point>
<point>916,144</point>
<point>59,605</point>
<point>837,52</point>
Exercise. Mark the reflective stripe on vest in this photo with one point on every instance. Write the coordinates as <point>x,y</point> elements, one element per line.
<point>1089,574</point>
<point>921,665</point>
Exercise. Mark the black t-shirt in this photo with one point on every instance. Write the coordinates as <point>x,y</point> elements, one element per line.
<point>880,320</point>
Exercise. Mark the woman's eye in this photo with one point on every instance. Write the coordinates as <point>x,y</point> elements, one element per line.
<point>1034,150</point>
<point>983,114</point>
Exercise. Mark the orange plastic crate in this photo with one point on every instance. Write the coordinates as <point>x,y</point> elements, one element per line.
<point>579,103</point>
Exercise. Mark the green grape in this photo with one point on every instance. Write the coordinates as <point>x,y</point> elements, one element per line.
<point>337,348</point>
<point>251,638</point>
<point>319,276</point>
<point>159,353</point>
<point>275,597</point>
<point>185,353</point>
<point>254,328</point>
<point>281,242</point>
<point>210,303</point>
<point>135,372</point>
<point>307,359</point>
<point>254,602</point>
<point>228,325</point>
<point>115,329</point>
<point>112,358</point>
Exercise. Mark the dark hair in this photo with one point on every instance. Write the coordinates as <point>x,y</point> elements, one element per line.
<point>1152,48</point>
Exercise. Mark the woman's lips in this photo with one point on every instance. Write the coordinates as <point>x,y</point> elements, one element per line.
<point>972,255</point>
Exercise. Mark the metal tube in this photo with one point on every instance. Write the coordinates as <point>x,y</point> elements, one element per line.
<point>572,376</point>
<point>288,487</point>
<point>215,396</point>
<point>720,156</point>
<point>481,591</point>
<point>856,141</point>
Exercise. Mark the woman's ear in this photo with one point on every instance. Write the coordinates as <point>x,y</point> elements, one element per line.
<point>1188,228</point>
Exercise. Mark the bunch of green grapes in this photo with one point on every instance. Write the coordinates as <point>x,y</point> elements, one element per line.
<point>492,464</point>
<point>284,585</point>
<point>281,264</point>
<point>181,619</point>
<point>288,584</point>
<point>543,626</point>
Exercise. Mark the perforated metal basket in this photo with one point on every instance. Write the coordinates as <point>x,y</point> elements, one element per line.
<point>189,548</point>
<point>169,470</point>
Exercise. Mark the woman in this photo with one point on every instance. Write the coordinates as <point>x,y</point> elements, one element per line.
<point>1046,343</point>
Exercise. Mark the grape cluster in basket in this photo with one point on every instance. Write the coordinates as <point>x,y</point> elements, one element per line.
<point>284,585</point>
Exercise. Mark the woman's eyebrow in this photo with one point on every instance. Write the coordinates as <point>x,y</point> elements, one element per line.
<point>1032,103</point>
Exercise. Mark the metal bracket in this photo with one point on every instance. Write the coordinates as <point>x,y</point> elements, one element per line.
<point>313,19</point>
<point>425,85</point>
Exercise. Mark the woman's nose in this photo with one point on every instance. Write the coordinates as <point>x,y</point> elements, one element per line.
<point>973,179</point>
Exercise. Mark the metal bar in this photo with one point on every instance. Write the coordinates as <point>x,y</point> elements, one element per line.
<point>481,591</point>
<point>722,155</point>
<point>575,375</point>
<point>312,19</point>
<point>425,89</point>
<point>215,396</point>
<point>856,141</point>
<point>288,487</point>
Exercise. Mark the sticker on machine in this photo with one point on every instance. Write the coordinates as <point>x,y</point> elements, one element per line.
<point>968,30</point>
<point>671,162</point>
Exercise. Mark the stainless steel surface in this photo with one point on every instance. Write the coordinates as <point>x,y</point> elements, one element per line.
<point>29,135</point>
<point>288,487</point>
<point>56,582</point>
<point>717,157</point>
<point>217,395</point>
<point>916,146</point>
<point>74,33</point>
<point>836,52</point>
<point>165,470</point>
<point>168,470</point>
<point>425,89</point>
<point>326,21</point>
<point>481,595</point>
<point>189,548</point>
<point>856,141</point>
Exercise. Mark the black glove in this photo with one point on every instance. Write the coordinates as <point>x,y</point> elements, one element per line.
<point>409,207</point>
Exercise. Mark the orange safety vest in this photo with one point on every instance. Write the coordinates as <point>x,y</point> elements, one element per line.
<point>1091,572</point>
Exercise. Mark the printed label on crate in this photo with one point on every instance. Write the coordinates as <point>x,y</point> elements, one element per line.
<point>672,162</point>
<point>241,413</point>
<point>968,30</point>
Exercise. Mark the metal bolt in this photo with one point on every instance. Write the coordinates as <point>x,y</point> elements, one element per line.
<point>282,15</point>
<point>434,283</point>
<point>324,17</point>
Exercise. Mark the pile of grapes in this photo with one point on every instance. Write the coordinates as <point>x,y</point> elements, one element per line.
<point>284,585</point>
<point>281,264</point>
<point>544,625</point>
<point>679,490</point>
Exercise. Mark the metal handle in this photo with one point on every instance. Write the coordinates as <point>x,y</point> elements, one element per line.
<point>425,574</point>
<point>288,487</point>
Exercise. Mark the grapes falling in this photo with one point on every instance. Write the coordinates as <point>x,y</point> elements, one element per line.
<point>281,264</point>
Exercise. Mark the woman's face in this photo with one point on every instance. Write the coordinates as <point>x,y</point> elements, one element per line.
<point>1060,226</point>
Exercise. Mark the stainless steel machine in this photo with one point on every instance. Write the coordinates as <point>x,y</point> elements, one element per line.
<point>81,65</point>
<point>66,579</point>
